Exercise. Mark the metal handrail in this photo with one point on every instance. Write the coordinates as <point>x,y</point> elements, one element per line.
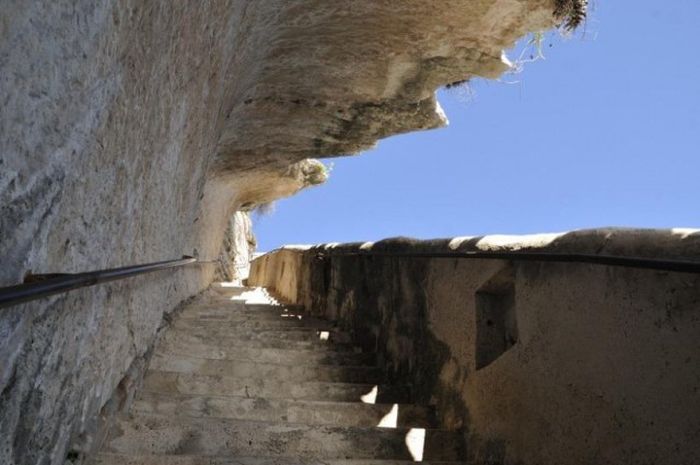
<point>678,266</point>
<point>39,286</point>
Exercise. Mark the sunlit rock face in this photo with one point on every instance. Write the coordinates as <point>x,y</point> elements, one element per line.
<point>237,250</point>
<point>132,131</point>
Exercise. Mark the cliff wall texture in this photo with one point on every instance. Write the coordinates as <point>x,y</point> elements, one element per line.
<point>132,131</point>
<point>536,362</point>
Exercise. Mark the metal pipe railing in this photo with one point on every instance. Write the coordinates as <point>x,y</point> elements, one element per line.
<point>39,286</point>
<point>679,266</point>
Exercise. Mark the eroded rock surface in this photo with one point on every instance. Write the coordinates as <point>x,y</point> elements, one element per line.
<point>238,248</point>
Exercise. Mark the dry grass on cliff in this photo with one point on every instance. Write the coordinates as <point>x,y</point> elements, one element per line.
<point>572,13</point>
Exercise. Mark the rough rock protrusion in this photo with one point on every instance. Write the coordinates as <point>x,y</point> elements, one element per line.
<point>237,249</point>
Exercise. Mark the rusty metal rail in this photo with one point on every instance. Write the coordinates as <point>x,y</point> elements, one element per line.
<point>39,286</point>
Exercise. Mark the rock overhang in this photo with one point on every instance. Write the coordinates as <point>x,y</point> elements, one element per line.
<point>331,78</point>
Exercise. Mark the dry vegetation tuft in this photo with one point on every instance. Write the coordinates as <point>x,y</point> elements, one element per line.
<point>572,12</point>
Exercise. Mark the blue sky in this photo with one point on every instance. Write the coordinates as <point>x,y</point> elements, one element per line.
<point>604,132</point>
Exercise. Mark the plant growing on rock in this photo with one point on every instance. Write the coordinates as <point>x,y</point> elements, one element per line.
<point>314,172</point>
<point>571,12</point>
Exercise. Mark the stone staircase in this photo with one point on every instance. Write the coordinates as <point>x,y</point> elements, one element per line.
<point>240,379</point>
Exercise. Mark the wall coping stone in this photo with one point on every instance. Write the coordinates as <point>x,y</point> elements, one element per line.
<point>674,243</point>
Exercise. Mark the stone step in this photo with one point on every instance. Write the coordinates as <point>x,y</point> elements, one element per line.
<point>234,341</point>
<point>153,434</point>
<point>286,410</point>
<point>219,306</point>
<point>267,371</point>
<point>253,324</point>
<point>263,306</point>
<point>244,297</point>
<point>227,302</point>
<point>252,307</point>
<point>224,307</point>
<point>262,335</point>
<point>121,459</point>
<point>198,349</point>
<point>188,383</point>
<point>233,312</point>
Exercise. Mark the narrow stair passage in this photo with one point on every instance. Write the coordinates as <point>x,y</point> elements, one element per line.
<point>240,379</point>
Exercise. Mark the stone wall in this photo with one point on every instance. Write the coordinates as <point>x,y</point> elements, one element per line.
<point>538,363</point>
<point>131,131</point>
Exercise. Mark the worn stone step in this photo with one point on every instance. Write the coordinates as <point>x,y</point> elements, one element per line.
<point>225,308</point>
<point>258,321</point>
<point>199,349</point>
<point>154,434</point>
<point>248,369</point>
<point>233,340</point>
<point>236,311</point>
<point>122,459</point>
<point>254,319</point>
<point>286,410</point>
<point>252,308</point>
<point>168,382</point>
<point>263,335</point>
<point>254,324</point>
<point>259,306</point>
<point>213,300</point>
<point>250,296</point>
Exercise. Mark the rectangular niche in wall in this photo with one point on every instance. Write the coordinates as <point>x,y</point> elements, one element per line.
<point>496,323</point>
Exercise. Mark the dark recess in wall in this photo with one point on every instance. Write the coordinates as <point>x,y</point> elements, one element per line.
<point>496,322</point>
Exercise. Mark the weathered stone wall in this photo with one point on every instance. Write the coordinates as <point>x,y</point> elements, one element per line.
<point>131,131</point>
<point>538,363</point>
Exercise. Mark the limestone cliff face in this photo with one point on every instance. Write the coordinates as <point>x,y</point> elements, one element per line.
<point>131,131</point>
<point>237,250</point>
